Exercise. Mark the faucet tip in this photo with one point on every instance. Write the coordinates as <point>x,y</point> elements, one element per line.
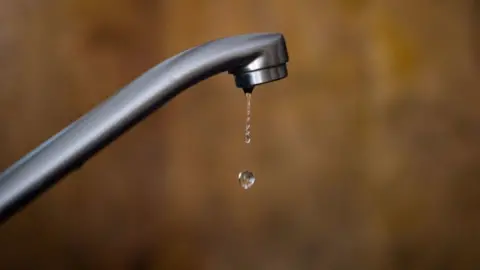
<point>265,63</point>
<point>247,80</point>
<point>248,90</point>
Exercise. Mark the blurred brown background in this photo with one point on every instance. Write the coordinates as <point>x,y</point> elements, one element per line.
<point>367,156</point>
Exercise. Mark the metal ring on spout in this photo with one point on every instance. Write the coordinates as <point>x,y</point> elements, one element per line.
<point>261,76</point>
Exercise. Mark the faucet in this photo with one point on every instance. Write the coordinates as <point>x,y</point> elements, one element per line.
<point>253,59</point>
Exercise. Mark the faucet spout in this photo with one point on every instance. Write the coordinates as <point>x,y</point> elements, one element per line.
<point>253,59</point>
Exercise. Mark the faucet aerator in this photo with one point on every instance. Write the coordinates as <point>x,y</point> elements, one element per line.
<point>247,80</point>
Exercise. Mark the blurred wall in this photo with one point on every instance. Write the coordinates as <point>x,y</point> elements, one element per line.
<point>366,157</point>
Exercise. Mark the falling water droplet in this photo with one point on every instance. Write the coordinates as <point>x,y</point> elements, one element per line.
<point>248,136</point>
<point>246,179</point>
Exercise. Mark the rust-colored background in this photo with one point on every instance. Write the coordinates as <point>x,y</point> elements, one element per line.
<point>366,157</point>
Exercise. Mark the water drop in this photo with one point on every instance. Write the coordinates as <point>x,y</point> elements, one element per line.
<point>248,136</point>
<point>246,179</point>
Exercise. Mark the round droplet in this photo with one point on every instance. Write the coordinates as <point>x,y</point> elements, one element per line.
<point>246,179</point>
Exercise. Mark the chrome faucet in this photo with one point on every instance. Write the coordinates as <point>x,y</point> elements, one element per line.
<point>253,59</point>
